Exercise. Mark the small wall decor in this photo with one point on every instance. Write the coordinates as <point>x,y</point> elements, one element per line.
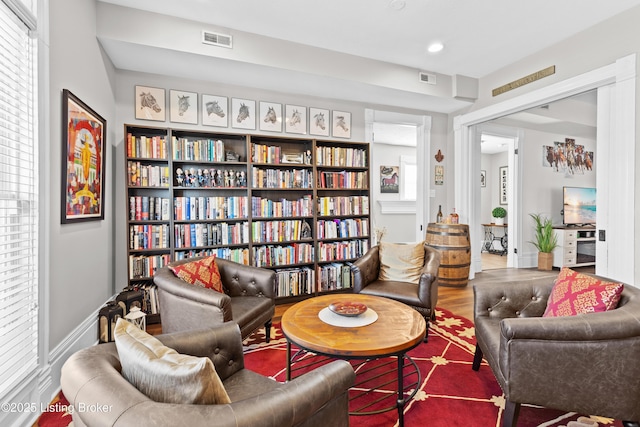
<point>270,116</point>
<point>150,103</point>
<point>439,156</point>
<point>439,174</point>
<point>341,124</point>
<point>504,184</point>
<point>243,113</point>
<point>183,107</point>
<point>215,110</point>
<point>295,119</point>
<point>389,179</point>
<point>318,121</point>
<point>483,178</point>
<point>83,161</point>
<point>567,157</point>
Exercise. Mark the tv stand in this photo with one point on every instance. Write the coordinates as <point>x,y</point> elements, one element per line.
<point>576,246</point>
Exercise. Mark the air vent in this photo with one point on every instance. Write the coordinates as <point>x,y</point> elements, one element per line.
<point>217,39</point>
<point>427,78</point>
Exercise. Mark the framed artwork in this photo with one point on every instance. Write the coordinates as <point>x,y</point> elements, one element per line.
<point>318,121</point>
<point>183,107</point>
<point>83,161</point>
<point>270,116</point>
<point>439,174</point>
<point>243,113</point>
<point>483,178</point>
<point>389,179</point>
<point>504,183</point>
<point>215,110</point>
<point>295,119</point>
<point>341,124</point>
<point>150,103</point>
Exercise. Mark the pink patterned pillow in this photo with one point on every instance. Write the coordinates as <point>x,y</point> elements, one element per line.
<point>576,293</point>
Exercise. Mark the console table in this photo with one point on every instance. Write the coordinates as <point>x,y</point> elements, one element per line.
<point>490,238</point>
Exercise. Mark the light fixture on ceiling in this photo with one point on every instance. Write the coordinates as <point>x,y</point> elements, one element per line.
<point>435,47</point>
<point>397,4</point>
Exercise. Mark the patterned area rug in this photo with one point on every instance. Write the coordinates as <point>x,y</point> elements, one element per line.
<point>450,393</point>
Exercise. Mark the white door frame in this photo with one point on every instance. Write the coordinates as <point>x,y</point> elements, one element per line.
<point>618,170</point>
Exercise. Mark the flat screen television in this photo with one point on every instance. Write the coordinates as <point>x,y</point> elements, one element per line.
<point>578,205</point>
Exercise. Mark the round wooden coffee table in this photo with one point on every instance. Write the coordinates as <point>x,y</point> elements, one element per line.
<point>397,329</point>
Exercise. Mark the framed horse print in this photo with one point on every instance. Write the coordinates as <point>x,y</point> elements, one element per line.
<point>243,113</point>
<point>318,121</point>
<point>389,179</point>
<point>183,107</point>
<point>295,119</point>
<point>215,110</point>
<point>341,124</point>
<point>270,116</point>
<point>150,103</point>
<point>83,161</point>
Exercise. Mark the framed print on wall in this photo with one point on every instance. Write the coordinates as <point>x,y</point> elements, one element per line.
<point>439,175</point>
<point>389,179</point>
<point>483,178</point>
<point>183,107</point>
<point>295,119</point>
<point>243,113</point>
<point>150,103</point>
<point>341,124</point>
<point>318,121</point>
<point>215,110</point>
<point>504,182</point>
<point>83,161</point>
<point>270,116</point>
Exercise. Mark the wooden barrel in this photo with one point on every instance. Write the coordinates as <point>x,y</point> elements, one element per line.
<point>453,242</point>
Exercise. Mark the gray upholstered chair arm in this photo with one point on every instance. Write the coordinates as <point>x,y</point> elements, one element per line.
<point>366,269</point>
<point>246,280</point>
<point>525,298</point>
<point>222,344</point>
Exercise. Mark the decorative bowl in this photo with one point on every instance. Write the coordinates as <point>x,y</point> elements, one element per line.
<point>348,308</point>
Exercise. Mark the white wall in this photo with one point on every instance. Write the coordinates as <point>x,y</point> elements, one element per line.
<point>490,195</point>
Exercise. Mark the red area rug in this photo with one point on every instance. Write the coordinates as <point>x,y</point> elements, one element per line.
<point>450,393</point>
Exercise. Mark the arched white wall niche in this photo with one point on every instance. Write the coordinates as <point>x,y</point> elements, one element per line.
<point>616,175</point>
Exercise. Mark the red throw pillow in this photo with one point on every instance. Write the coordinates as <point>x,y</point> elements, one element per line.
<point>203,272</point>
<point>576,293</point>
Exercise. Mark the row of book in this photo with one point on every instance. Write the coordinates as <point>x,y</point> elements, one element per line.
<point>204,208</point>
<point>343,179</point>
<point>334,276</point>
<point>279,231</point>
<point>148,236</point>
<point>147,175</point>
<point>294,281</point>
<point>342,228</point>
<point>278,178</point>
<point>337,251</point>
<point>145,266</point>
<point>222,233</point>
<point>146,147</point>
<point>272,256</point>
<point>144,208</point>
<point>343,205</point>
<point>201,150</point>
<point>239,255</point>
<point>150,301</point>
<point>266,208</point>
<point>341,156</point>
<point>265,153</point>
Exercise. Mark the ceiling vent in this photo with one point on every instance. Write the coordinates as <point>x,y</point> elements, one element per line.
<point>427,78</point>
<point>217,39</point>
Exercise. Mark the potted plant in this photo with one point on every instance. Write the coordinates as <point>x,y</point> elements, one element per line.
<point>546,241</point>
<point>499,214</point>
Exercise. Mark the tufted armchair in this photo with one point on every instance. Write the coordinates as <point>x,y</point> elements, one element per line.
<point>421,296</point>
<point>585,363</point>
<point>248,299</point>
<point>92,378</point>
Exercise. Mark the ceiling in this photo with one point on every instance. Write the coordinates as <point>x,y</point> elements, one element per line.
<point>478,40</point>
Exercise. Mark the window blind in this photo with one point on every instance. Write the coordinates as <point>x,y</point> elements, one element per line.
<point>18,202</point>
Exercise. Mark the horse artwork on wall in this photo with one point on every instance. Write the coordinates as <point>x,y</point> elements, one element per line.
<point>150,103</point>
<point>567,157</point>
<point>319,121</point>
<point>215,110</point>
<point>243,113</point>
<point>183,107</point>
<point>295,119</point>
<point>270,117</point>
<point>389,179</point>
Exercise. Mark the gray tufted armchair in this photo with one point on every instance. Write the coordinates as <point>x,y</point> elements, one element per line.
<point>585,363</point>
<point>248,299</point>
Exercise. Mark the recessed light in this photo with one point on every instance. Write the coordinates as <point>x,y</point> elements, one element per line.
<point>435,47</point>
<point>397,4</point>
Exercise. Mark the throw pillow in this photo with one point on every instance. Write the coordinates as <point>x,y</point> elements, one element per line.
<point>201,272</point>
<point>401,262</point>
<point>163,374</point>
<point>576,293</point>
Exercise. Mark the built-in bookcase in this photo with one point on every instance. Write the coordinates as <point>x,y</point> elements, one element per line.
<point>295,205</point>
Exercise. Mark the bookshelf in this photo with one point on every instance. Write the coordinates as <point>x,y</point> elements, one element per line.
<point>299,206</point>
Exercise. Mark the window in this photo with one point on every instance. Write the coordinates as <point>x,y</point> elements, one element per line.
<point>409,178</point>
<point>18,197</point>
